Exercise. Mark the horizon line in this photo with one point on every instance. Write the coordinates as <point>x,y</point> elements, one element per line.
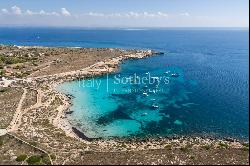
<point>121,27</point>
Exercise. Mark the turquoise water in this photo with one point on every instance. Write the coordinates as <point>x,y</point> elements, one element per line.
<point>113,106</point>
<point>208,97</point>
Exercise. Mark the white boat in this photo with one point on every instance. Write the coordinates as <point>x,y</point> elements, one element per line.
<point>155,106</point>
<point>167,72</point>
<point>175,75</point>
<point>145,94</point>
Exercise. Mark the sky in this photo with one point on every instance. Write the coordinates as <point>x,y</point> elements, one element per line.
<point>125,13</point>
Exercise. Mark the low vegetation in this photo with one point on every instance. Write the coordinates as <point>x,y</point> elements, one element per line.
<point>2,73</point>
<point>38,160</point>
<point>1,64</point>
<point>1,142</point>
<point>34,160</point>
<point>223,145</point>
<point>45,159</point>
<point>2,90</point>
<point>53,156</point>
<point>168,147</point>
<point>207,147</point>
<point>21,158</point>
<point>8,60</point>
<point>15,65</point>
<point>245,147</point>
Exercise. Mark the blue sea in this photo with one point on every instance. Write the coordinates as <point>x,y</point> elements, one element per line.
<point>198,87</point>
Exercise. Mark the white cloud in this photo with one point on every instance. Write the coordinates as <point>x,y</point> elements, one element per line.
<point>146,14</point>
<point>55,14</point>
<point>128,15</point>
<point>65,12</point>
<point>162,14</point>
<point>96,14</point>
<point>42,12</point>
<point>133,14</point>
<point>185,14</point>
<point>16,10</point>
<point>4,11</point>
<point>29,12</point>
<point>115,15</point>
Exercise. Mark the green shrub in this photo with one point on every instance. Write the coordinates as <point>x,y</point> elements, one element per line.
<point>2,58</point>
<point>2,90</point>
<point>45,159</point>
<point>34,160</point>
<point>2,72</point>
<point>246,145</point>
<point>1,142</point>
<point>34,58</point>
<point>207,147</point>
<point>223,145</point>
<point>19,75</point>
<point>1,64</point>
<point>123,145</point>
<point>21,158</point>
<point>184,149</point>
<point>168,147</point>
<point>34,64</point>
<point>245,148</point>
<point>33,143</point>
<point>53,156</point>
<point>192,157</point>
<point>11,60</point>
<point>18,67</point>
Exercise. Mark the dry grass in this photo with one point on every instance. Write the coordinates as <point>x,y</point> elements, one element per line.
<point>39,61</point>
<point>12,148</point>
<point>9,99</point>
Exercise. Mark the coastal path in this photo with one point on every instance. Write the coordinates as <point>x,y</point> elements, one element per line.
<point>18,114</point>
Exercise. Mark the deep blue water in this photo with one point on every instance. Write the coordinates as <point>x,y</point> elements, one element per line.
<point>209,97</point>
